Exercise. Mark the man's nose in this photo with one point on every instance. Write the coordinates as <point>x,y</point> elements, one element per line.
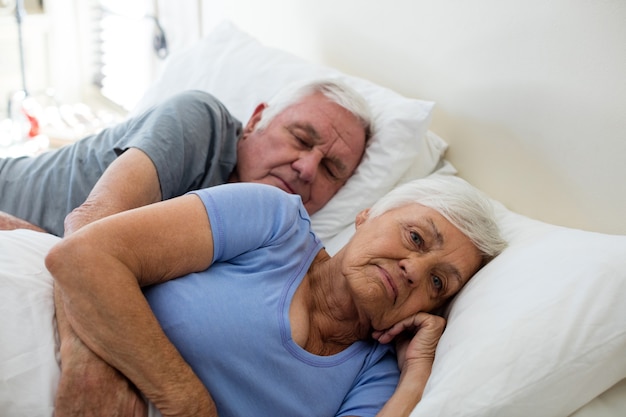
<point>308,164</point>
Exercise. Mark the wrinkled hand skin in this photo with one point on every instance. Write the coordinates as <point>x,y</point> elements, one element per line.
<point>423,344</point>
<point>416,337</point>
<point>88,387</point>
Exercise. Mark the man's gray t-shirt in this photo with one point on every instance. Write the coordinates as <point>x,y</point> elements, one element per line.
<point>191,139</point>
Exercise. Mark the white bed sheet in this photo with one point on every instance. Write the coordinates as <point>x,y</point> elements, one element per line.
<point>29,367</point>
<point>611,403</point>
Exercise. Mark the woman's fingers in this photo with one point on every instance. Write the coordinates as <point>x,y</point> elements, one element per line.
<point>432,327</point>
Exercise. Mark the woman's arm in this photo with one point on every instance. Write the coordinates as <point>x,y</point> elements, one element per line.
<point>415,359</point>
<point>88,384</point>
<point>99,270</point>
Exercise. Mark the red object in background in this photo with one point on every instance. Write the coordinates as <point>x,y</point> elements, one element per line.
<point>34,124</point>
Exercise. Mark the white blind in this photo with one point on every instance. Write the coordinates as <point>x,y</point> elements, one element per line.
<point>127,43</point>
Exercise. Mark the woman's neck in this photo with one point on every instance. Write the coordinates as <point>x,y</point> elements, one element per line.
<point>333,322</point>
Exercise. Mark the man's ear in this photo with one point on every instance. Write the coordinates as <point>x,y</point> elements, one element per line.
<point>361,217</point>
<point>254,119</point>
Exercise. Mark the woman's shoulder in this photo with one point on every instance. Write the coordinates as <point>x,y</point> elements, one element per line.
<point>255,194</point>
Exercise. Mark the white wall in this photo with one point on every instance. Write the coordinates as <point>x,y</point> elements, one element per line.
<point>531,95</point>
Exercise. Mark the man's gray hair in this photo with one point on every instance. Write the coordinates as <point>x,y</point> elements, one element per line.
<point>336,91</point>
<point>463,205</point>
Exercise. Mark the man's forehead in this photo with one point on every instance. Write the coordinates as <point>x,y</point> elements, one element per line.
<point>327,122</point>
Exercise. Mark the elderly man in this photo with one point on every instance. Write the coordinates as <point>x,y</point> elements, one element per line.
<point>308,141</point>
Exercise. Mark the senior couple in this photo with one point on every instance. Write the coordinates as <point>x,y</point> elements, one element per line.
<point>207,305</point>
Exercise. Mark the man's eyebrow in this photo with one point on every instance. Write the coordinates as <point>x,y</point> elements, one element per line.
<point>310,130</point>
<point>338,163</point>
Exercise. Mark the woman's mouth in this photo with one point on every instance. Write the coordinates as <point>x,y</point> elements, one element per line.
<point>389,284</point>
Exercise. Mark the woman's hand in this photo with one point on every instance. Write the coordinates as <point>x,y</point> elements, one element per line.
<point>416,337</point>
<point>89,387</point>
<point>416,341</point>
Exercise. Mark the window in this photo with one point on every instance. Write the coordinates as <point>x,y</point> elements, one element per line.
<point>127,43</point>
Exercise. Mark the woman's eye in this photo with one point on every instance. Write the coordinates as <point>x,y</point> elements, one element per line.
<point>416,238</point>
<point>437,282</point>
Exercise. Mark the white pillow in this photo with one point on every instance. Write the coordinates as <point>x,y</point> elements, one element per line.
<point>414,171</point>
<point>29,370</point>
<point>242,73</point>
<point>541,330</point>
<point>611,403</point>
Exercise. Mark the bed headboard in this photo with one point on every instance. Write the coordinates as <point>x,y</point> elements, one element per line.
<point>531,96</point>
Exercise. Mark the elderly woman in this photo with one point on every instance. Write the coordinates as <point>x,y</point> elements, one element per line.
<point>224,302</point>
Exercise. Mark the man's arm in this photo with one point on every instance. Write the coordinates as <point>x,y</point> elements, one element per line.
<point>9,222</point>
<point>88,385</point>
<point>131,181</point>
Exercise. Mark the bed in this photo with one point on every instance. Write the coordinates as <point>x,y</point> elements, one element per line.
<point>542,329</point>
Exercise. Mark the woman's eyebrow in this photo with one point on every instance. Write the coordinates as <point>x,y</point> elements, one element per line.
<point>435,233</point>
<point>454,272</point>
<point>439,240</point>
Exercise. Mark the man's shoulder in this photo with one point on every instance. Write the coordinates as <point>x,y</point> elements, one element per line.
<point>190,97</point>
<point>198,102</point>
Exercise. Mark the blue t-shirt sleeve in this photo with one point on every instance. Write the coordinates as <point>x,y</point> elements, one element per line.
<point>248,216</point>
<point>374,386</point>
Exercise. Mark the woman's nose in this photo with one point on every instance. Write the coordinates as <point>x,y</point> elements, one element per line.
<point>412,269</point>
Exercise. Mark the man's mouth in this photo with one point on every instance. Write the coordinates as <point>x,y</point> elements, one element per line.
<point>285,186</point>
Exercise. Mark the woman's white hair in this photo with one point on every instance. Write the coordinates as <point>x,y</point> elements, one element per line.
<point>335,90</point>
<point>463,205</point>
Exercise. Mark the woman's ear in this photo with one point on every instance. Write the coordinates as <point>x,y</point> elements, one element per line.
<point>361,217</point>
<point>254,119</point>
